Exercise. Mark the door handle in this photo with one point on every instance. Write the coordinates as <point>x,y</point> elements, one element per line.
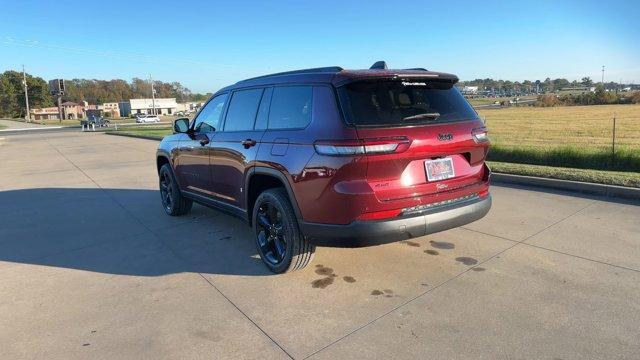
<point>204,142</point>
<point>248,143</point>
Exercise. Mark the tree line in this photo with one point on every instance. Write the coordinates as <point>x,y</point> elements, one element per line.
<point>93,91</point>
<point>546,85</point>
<point>598,97</point>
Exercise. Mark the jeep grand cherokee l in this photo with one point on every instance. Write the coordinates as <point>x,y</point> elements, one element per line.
<point>331,157</point>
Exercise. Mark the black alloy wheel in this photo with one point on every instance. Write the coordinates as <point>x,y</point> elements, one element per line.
<point>173,203</point>
<point>281,245</point>
<point>272,239</point>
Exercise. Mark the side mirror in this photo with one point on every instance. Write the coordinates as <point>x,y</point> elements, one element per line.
<point>181,126</point>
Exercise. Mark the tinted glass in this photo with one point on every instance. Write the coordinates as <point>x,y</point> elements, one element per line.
<point>209,117</point>
<point>242,110</point>
<point>290,107</point>
<point>263,110</point>
<point>397,103</point>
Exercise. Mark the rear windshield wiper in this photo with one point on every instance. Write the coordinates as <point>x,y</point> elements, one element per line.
<point>432,116</point>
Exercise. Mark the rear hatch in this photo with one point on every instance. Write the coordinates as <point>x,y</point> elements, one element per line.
<point>422,136</point>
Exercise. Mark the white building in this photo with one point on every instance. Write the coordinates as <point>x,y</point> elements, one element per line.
<point>470,90</point>
<point>146,106</point>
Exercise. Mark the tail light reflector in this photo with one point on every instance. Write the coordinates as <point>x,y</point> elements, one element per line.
<point>379,215</point>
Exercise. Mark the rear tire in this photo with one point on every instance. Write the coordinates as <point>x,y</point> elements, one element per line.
<point>173,203</point>
<point>281,245</point>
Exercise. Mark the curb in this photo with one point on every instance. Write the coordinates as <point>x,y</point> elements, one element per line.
<point>132,136</point>
<point>576,186</point>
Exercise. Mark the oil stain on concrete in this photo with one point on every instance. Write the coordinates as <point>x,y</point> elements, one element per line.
<point>442,245</point>
<point>467,260</point>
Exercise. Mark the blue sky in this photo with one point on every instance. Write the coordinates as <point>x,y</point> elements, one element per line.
<point>208,44</point>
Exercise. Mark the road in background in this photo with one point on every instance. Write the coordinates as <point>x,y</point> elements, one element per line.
<point>91,267</point>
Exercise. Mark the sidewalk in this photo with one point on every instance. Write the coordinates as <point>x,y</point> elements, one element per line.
<point>14,125</point>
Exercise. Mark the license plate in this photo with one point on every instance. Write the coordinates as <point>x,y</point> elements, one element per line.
<point>439,169</point>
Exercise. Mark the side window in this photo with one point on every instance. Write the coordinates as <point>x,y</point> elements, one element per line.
<point>263,110</point>
<point>242,110</point>
<point>208,119</point>
<point>290,107</point>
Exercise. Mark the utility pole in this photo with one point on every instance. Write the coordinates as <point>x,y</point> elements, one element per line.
<point>153,96</point>
<point>26,95</point>
<point>602,75</point>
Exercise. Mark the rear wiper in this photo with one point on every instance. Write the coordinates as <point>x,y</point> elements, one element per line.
<point>432,116</point>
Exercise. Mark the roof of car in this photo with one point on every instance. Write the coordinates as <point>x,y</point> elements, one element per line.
<point>338,76</point>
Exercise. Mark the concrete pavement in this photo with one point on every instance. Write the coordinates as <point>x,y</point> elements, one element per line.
<point>91,267</point>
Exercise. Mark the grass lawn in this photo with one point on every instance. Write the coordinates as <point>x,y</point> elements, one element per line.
<point>586,175</point>
<point>77,122</point>
<point>581,126</point>
<point>2,126</point>
<point>153,131</point>
<point>568,136</point>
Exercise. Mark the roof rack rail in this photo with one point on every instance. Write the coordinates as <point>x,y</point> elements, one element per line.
<point>328,69</point>
<point>421,69</point>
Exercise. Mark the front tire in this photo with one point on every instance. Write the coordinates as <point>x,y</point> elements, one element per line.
<point>281,245</point>
<point>173,203</point>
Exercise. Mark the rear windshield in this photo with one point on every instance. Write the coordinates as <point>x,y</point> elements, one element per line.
<point>403,103</point>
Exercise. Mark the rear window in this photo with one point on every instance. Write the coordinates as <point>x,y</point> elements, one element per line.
<point>403,103</point>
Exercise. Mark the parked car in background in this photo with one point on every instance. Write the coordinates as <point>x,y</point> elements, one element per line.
<point>331,157</point>
<point>147,119</point>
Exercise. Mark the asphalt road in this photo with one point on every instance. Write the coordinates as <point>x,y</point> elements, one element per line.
<point>90,267</point>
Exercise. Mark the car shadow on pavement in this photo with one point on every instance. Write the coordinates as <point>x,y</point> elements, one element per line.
<point>120,231</point>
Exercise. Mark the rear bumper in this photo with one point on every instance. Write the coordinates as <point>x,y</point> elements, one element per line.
<point>367,233</point>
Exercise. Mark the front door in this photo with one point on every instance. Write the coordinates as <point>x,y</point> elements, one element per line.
<point>193,166</point>
<point>236,146</point>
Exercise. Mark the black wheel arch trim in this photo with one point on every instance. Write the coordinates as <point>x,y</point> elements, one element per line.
<point>263,170</point>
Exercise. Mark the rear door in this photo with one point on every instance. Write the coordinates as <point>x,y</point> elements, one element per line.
<point>433,124</point>
<point>236,145</point>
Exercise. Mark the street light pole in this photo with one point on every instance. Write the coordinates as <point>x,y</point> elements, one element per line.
<point>602,75</point>
<point>26,95</point>
<point>153,96</point>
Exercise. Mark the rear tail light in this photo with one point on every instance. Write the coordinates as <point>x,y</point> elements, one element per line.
<point>480,135</point>
<point>361,147</point>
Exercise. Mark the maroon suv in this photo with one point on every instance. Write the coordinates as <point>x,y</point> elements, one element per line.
<point>331,157</point>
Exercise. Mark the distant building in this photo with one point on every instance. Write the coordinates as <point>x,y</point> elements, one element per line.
<point>145,106</point>
<point>71,110</point>
<point>110,109</point>
<point>48,113</point>
<point>470,90</point>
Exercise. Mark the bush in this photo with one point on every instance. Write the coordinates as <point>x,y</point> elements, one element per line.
<point>548,100</point>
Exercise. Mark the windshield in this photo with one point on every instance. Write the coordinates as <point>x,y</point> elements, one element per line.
<point>403,103</point>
